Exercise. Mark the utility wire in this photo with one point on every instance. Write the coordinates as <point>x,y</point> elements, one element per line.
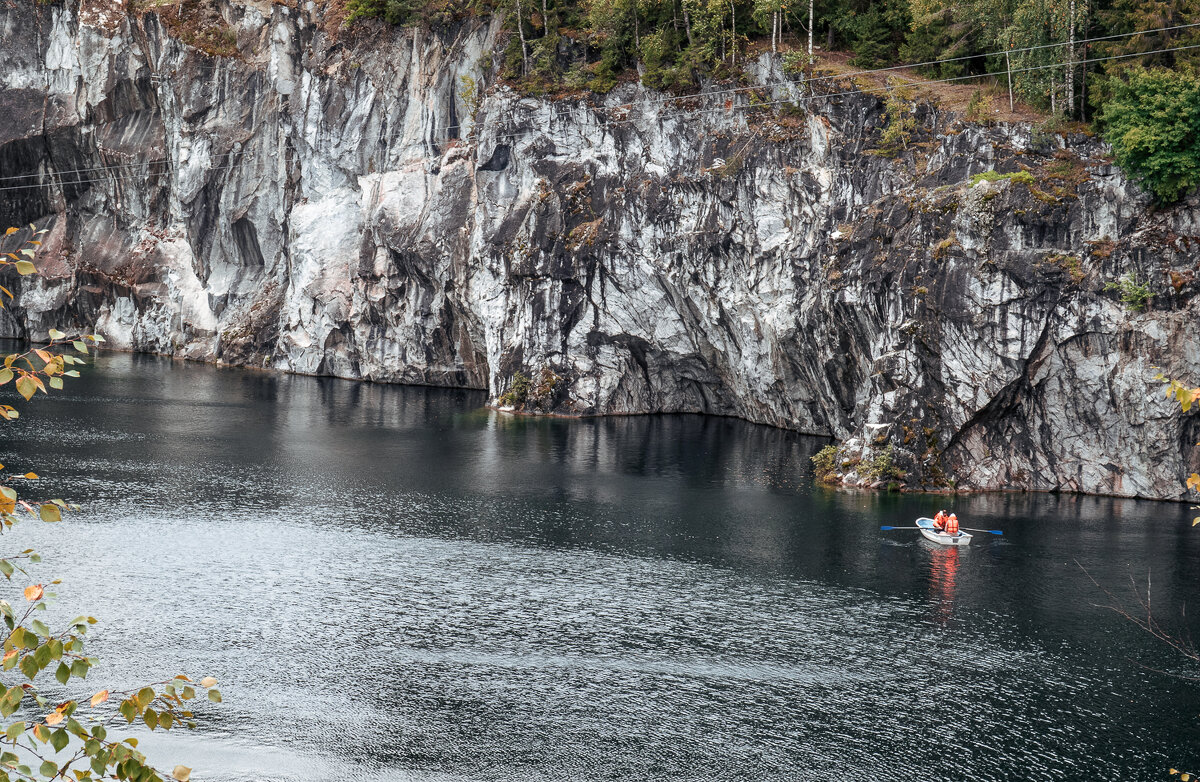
<point>102,179</point>
<point>735,90</point>
<point>692,113</point>
<point>900,67</point>
<point>867,72</point>
<point>916,83</point>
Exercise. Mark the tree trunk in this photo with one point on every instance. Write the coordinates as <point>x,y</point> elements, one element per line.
<point>545,19</point>
<point>810,31</point>
<point>687,26</point>
<point>524,45</point>
<point>1083,87</point>
<point>1071,64</point>
<point>1008,67</point>
<point>733,32</point>
<point>829,38</point>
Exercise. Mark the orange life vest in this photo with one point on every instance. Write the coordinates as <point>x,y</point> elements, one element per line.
<point>951,526</point>
<point>939,520</point>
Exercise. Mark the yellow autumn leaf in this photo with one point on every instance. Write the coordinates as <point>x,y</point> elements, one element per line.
<point>54,717</point>
<point>31,476</point>
<point>34,592</point>
<point>208,681</point>
<point>99,698</point>
<point>182,773</point>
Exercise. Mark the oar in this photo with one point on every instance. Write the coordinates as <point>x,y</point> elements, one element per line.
<point>993,531</point>
<point>887,528</point>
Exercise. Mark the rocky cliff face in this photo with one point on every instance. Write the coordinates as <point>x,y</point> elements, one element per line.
<point>374,206</point>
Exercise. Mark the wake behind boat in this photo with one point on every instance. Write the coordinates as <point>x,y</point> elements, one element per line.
<point>930,532</point>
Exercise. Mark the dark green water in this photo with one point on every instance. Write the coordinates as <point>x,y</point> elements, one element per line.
<point>393,584</point>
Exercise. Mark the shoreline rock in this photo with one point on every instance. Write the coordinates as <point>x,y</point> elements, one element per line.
<point>352,209</point>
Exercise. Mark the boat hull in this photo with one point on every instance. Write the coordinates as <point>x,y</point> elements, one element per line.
<point>929,533</point>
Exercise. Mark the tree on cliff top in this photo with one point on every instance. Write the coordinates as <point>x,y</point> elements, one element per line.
<point>1152,122</point>
<point>45,736</point>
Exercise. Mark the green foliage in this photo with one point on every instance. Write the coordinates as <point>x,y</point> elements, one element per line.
<point>901,123</point>
<point>1134,294</point>
<point>524,391</point>
<point>883,465</point>
<point>936,36</point>
<point>51,729</point>
<point>824,462</point>
<point>877,33</point>
<point>991,175</point>
<point>518,391</point>
<point>415,12</point>
<point>795,62</point>
<point>1121,17</point>
<point>978,106</point>
<point>469,92</point>
<point>1152,122</point>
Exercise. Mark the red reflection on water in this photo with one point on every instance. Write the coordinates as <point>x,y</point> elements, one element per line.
<point>942,573</point>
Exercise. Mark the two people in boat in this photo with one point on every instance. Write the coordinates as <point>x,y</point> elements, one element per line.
<point>945,523</point>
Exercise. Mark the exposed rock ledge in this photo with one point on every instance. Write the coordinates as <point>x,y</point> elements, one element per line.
<point>309,207</point>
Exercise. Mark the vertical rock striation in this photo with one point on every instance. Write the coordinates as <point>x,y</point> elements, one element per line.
<point>374,206</point>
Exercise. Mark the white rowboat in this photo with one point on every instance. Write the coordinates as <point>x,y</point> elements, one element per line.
<point>926,526</point>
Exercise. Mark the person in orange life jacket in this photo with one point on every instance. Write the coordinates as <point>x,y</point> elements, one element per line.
<point>952,525</point>
<point>939,521</point>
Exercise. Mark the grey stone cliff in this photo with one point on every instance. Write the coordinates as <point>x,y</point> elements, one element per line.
<point>375,205</point>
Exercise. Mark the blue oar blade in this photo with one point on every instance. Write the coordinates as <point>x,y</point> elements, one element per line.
<point>886,528</point>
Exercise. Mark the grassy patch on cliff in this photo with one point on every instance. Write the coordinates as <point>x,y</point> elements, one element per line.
<point>197,24</point>
<point>1024,177</point>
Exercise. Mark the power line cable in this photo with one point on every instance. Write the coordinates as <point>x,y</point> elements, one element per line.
<point>735,90</point>
<point>870,71</point>
<point>916,83</point>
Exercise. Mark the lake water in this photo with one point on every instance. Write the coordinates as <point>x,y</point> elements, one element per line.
<point>395,584</point>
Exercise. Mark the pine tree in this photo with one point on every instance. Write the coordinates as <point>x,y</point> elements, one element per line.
<point>937,35</point>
